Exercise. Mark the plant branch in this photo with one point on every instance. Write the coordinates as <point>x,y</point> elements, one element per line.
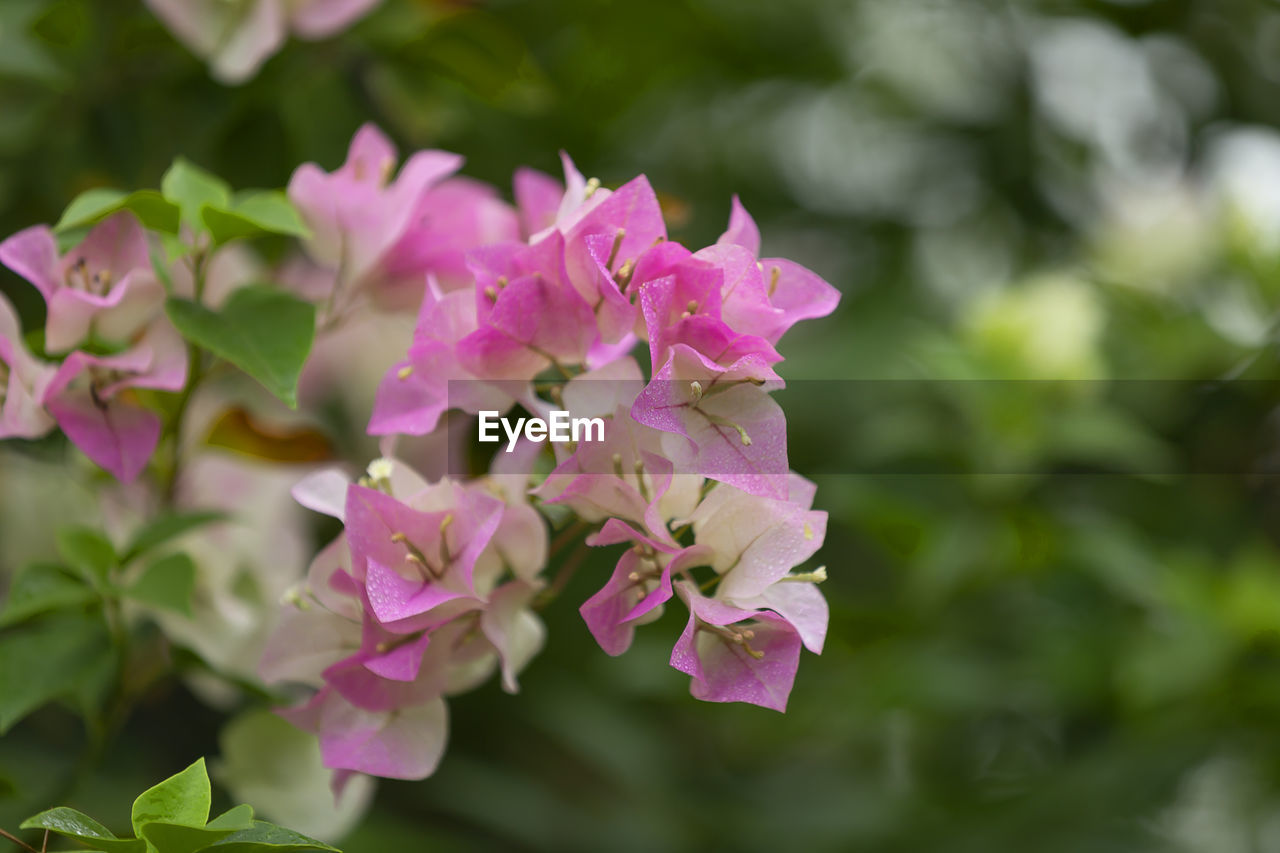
<point>18,841</point>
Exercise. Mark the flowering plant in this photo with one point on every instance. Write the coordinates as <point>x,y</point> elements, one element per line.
<point>156,312</point>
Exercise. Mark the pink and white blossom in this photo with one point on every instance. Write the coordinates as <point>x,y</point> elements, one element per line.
<point>104,288</point>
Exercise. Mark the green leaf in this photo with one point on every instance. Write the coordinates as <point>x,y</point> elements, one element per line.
<point>90,206</point>
<point>166,527</point>
<point>47,660</point>
<point>96,685</point>
<point>264,331</point>
<point>22,53</point>
<point>253,215</point>
<point>81,827</point>
<point>87,551</point>
<point>168,583</point>
<point>152,209</point>
<point>175,838</point>
<point>182,799</point>
<point>240,817</point>
<point>192,188</point>
<point>41,587</point>
<point>266,837</point>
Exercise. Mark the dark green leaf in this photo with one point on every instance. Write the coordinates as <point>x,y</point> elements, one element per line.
<point>87,551</point>
<point>266,837</point>
<point>101,672</point>
<point>47,660</point>
<point>264,331</point>
<point>168,526</point>
<point>81,827</point>
<point>152,209</point>
<point>182,799</point>
<point>192,188</point>
<point>167,583</point>
<point>22,54</point>
<point>253,215</point>
<point>42,587</point>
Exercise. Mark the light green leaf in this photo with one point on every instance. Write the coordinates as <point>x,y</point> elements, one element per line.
<point>264,331</point>
<point>87,551</point>
<point>252,215</point>
<point>266,837</point>
<point>182,799</point>
<point>47,660</point>
<point>166,527</point>
<point>240,817</point>
<point>41,587</point>
<point>167,583</point>
<point>152,209</point>
<point>81,827</point>
<point>90,206</point>
<point>192,188</point>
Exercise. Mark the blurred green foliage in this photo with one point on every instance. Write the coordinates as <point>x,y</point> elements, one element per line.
<point>1080,653</point>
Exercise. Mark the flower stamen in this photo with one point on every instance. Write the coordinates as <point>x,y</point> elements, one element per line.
<point>617,244</point>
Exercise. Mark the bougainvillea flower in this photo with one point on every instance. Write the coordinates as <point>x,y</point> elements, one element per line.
<point>538,198</point>
<point>605,244</point>
<point>413,561</point>
<point>758,540</point>
<point>446,575</point>
<point>322,623</point>
<point>625,476</point>
<point>360,213</point>
<point>23,380</point>
<point>405,743</point>
<point>791,292</point>
<point>722,422</point>
<point>90,398</point>
<point>742,230</point>
<point>104,287</point>
<point>799,602</point>
<point>514,630</point>
<point>576,199</point>
<point>640,584</point>
<point>688,297</point>
<point>236,38</point>
<point>736,655</point>
<point>388,672</point>
<point>450,220</point>
<point>432,379</point>
<point>530,316</point>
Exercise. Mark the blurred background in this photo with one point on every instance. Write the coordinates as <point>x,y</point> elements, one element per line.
<point>1055,598</point>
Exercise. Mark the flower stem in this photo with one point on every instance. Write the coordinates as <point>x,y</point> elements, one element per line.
<point>195,375</point>
<point>567,570</point>
<point>18,841</point>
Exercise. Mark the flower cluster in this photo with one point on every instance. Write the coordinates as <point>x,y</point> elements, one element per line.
<point>427,590</point>
<point>433,585</point>
<point>435,582</point>
<point>105,319</point>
